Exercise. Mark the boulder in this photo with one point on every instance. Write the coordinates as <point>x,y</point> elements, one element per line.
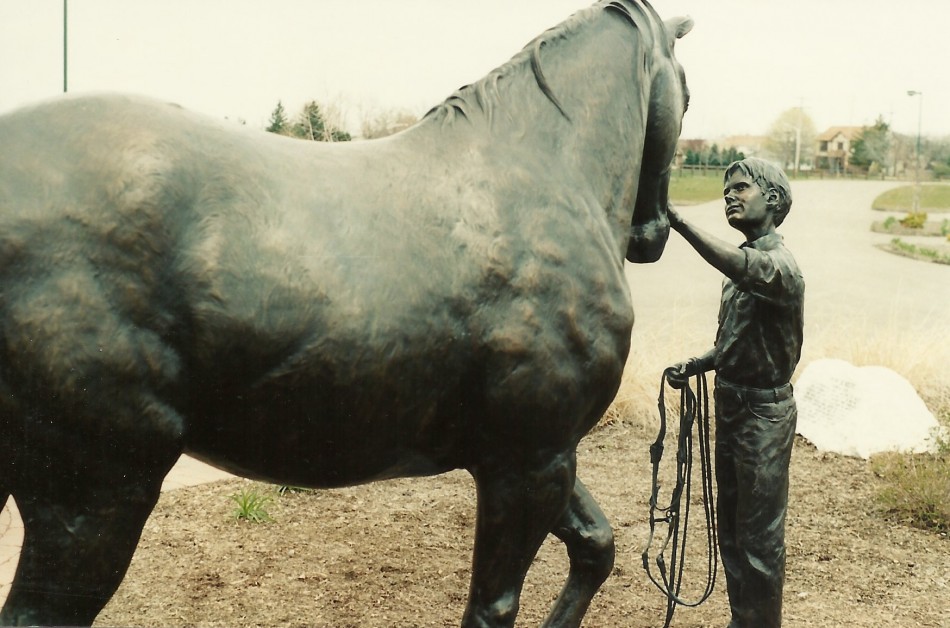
<point>860,411</point>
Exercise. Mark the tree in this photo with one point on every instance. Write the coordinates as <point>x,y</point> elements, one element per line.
<point>278,120</point>
<point>712,155</point>
<point>791,139</point>
<point>940,163</point>
<point>872,146</point>
<point>387,123</point>
<point>312,125</point>
<point>731,154</point>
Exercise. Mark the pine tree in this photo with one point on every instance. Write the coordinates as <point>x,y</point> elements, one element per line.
<point>278,120</point>
<point>312,125</point>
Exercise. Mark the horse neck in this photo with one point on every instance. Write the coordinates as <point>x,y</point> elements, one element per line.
<point>600,79</point>
<point>607,133</point>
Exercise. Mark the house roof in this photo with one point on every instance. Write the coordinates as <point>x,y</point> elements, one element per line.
<point>849,132</point>
<point>692,144</point>
<point>746,142</point>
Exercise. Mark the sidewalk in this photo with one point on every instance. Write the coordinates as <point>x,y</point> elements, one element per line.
<point>188,472</point>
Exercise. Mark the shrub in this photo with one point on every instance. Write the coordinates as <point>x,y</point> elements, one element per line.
<point>914,220</point>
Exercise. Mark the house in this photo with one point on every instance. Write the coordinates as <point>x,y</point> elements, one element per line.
<point>748,145</point>
<point>834,147</point>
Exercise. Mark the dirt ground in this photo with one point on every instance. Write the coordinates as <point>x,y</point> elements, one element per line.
<point>398,554</point>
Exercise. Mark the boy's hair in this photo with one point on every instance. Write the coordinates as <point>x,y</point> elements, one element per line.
<point>767,176</point>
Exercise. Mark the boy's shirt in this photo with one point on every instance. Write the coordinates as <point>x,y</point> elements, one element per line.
<point>761,318</point>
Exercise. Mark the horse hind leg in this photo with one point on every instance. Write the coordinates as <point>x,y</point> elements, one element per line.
<point>76,550</point>
<point>84,499</point>
<point>95,441</point>
<point>586,533</point>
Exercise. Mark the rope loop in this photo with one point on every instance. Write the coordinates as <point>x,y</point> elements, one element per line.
<point>694,411</point>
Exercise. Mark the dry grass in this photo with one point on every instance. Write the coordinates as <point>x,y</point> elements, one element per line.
<point>916,489</point>
<point>649,356</point>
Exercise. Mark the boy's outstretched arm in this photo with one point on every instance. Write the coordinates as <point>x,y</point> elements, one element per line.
<point>727,258</point>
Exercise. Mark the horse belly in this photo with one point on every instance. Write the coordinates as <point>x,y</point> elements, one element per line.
<point>330,436</point>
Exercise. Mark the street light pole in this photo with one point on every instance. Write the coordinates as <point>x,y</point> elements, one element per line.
<point>920,110</point>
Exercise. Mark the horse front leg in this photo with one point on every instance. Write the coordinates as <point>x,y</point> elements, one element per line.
<point>519,501</point>
<point>590,545</point>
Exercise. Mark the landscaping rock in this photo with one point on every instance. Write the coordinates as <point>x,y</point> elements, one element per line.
<point>860,411</point>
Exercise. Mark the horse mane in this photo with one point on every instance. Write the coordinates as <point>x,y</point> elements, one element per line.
<point>483,96</point>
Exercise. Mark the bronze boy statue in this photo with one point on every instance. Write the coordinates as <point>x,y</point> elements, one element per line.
<point>757,348</point>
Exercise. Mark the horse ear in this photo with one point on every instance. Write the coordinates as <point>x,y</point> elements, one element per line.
<point>677,27</point>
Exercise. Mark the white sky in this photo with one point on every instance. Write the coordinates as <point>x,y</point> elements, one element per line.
<point>845,61</point>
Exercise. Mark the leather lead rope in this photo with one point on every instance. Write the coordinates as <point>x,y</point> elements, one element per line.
<point>694,409</point>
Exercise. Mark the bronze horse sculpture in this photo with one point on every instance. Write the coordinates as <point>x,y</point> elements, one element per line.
<point>323,315</point>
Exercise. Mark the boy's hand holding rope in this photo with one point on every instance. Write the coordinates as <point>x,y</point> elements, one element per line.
<point>693,406</point>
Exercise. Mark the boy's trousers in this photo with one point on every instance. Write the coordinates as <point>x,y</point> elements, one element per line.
<point>755,430</point>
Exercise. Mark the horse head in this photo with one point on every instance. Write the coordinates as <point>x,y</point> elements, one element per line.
<point>668,100</point>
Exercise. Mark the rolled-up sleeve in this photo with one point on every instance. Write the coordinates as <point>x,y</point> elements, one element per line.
<point>771,277</point>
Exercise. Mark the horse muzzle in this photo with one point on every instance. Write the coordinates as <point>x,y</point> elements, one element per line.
<point>647,241</point>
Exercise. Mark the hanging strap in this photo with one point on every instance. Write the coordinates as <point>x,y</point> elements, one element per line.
<point>694,409</point>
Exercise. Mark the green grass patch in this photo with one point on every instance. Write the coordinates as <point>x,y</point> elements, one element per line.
<point>934,197</point>
<point>251,506</point>
<point>693,189</point>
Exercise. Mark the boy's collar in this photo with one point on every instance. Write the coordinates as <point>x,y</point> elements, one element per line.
<point>769,238</point>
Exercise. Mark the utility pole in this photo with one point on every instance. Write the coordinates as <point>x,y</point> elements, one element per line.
<point>798,136</point>
<point>65,49</point>
<point>920,110</point>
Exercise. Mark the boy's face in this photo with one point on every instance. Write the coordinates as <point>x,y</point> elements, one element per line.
<point>747,205</point>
